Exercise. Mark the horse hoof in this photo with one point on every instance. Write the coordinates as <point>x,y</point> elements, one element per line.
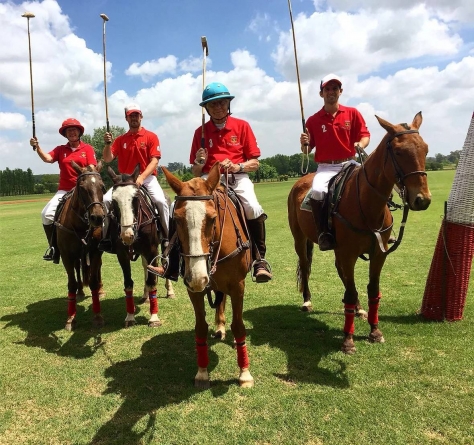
<point>129,324</point>
<point>219,334</point>
<point>376,337</point>
<point>70,325</point>
<point>102,293</point>
<point>98,321</point>
<point>246,380</point>
<point>155,324</point>
<point>361,314</point>
<point>171,296</point>
<point>143,300</point>
<point>348,348</point>
<point>202,384</point>
<point>80,295</point>
<point>307,306</point>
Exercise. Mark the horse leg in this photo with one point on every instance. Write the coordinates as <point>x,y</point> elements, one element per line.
<point>95,285</point>
<point>219,320</point>
<point>69,265</point>
<point>345,266</point>
<point>154,321</point>
<point>374,295</point>
<point>201,380</point>
<point>360,311</point>
<point>238,329</point>
<point>304,250</point>
<point>124,261</point>
<point>80,286</point>
<point>145,296</point>
<point>169,289</point>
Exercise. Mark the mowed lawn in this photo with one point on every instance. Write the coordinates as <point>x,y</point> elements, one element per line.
<point>135,386</point>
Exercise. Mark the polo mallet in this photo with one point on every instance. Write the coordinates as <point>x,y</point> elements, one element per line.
<point>30,15</point>
<point>205,52</point>
<point>304,171</point>
<point>106,19</point>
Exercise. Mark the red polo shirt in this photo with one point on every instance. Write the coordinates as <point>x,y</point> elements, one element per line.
<point>83,156</point>
<point>136,148</point>
<point>334,137</point>
<point>235,142</point>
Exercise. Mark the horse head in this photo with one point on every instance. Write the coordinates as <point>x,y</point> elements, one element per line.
<point>125,202</point>
<point>404,163</point>
<point>90,193</point>
<point>195,215</point>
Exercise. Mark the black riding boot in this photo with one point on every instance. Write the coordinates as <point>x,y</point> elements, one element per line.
<point>261,268</point>
<point>326,239</point>
<point>169,268</point>
<point>52,252</point>
<point>106,244</point>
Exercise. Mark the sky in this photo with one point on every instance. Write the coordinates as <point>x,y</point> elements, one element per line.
<point>394,58</point>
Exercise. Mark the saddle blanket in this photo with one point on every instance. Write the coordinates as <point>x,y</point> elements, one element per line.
<point>305,204</point>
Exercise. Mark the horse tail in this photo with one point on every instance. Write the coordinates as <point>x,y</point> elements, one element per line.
<point>86,269</point>
<point>309,261</point>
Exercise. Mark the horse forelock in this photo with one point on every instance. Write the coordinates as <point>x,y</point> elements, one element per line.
<point>124,196</point>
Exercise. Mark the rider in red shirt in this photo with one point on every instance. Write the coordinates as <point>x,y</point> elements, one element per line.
<point>335,131</point>
<point>75,150</point>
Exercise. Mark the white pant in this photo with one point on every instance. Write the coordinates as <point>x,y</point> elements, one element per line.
<point>47,214</point>
<point>158,196</point>
<point>323,175</point>
<point>245,190</point>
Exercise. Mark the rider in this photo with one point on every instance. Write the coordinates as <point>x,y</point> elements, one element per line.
<point>137,146</point>
<point>75,150</point>
<point>232,143</point>
<point>335,131</point>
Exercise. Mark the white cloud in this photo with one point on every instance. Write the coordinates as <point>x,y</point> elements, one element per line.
<point>152,68</point>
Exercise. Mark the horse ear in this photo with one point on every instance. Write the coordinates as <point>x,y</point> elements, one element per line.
<point>98,167</point>
<point>112,175</point>
<point>386,125</point>
<point>76,167</point>
<point>136,172</point>
<point>214,176</point>
<point>174,182</point>
<point>417,120</point>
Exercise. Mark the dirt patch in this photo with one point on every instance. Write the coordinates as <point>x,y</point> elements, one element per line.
<point>19,201</point>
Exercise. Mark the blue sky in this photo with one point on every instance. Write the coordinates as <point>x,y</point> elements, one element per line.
<point>394,59</point>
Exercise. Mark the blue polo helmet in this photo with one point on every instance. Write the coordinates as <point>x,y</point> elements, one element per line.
<point>215,91</point>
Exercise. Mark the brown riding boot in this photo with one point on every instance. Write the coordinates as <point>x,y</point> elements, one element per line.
<point>326,239</point>
<point>262,271</point>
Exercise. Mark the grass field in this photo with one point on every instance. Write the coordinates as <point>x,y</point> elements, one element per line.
<point>135,386</point>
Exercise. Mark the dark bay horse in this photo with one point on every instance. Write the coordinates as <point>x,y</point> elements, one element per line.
<point>79,230</point>
<point>215,249</point>
<point>363,220</point>
<point>138,236</point>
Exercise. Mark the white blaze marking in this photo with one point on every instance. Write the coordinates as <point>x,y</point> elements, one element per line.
<point>195,215</point>
<point>124,195</point>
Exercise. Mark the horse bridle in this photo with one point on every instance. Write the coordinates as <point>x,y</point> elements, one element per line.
<point>87,207</point>
<point>399,174</point>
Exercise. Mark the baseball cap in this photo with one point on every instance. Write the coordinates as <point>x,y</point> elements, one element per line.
<point>326,79</point>
<point>132,108</point>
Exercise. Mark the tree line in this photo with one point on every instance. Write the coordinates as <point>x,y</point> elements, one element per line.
<point>275,168</point>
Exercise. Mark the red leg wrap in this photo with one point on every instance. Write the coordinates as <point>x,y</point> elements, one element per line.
<point>202,355</point>
<point>242,355</point>
<point>129,301</point>
<point>71,304</point>
<point>349,312</point>
<point>153,302</point>
<point>373,316</point>
<point>95,301</point>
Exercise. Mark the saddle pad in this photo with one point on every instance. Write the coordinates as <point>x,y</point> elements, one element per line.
<point>305,204</point>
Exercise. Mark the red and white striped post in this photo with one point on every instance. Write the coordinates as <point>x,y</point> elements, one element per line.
<point>448,278</point>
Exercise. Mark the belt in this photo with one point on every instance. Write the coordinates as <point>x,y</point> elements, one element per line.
<point>338,161</point>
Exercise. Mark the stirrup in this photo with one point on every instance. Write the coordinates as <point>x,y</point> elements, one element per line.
<point>262,271</point>
<point>49,254</point>
<point>326,241</point>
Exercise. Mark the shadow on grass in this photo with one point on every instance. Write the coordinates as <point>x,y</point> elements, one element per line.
<point>43,319</point>
<point>306,341</point>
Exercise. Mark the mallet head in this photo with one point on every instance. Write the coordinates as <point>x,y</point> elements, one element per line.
<point>104,17</point>
<point>204,45</point>
<point>28,15</point>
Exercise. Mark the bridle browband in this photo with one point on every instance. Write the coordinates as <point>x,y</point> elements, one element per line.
<point>93,203</point>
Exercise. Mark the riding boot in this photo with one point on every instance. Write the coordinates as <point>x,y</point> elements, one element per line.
<point>326,239</point>
<point>52,252</point>
<point>261,268</point>
<point>106,244</point>
<point>169,267</point>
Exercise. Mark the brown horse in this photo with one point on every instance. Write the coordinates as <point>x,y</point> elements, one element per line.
<point>79,229</point>
<point>363,220</point>
<point>215,248</point>
<point>139,236</point>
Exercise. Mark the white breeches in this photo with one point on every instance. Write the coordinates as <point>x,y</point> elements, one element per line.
<point>47,214</point>
<point>323,175</point>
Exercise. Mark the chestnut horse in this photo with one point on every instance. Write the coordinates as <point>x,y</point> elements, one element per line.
<point>363,220</point>
<point>215,249</point>
<point>139,235</point>
<point>79,230</point>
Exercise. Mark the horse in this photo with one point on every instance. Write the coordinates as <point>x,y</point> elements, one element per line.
<point>215,248</point>
<point>363,221</point>
<point>139,236</point>
<point>79,229</point>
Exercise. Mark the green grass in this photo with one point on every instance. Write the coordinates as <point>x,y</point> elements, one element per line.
<point>135,386</point>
